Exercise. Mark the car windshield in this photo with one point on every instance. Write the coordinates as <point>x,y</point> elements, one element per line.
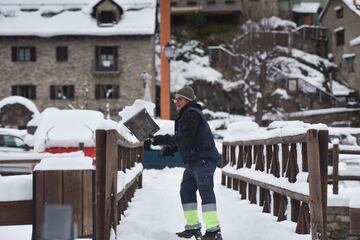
<point>12,141</point>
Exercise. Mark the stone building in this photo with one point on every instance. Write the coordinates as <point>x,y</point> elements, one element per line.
<point>76,54</point>
<point>342,18</point>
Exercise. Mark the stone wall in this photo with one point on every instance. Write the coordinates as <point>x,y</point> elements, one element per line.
<point>135,55</point>
<point>338,224</point>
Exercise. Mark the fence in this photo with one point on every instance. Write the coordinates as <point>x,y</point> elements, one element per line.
<point>98,198</point>
<point>336,177</point>
<point>308,209</point>
<point>113,154</point>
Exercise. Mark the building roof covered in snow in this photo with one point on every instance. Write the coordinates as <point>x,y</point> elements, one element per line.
<point>306,7</point>
<point>48,18</point>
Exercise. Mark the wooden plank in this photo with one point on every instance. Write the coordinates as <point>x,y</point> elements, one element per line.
<point>335,174</point>
<point>316,211</point>
<point>354,220</point>
<point>53,187</point>
<point>285,157</point>
<point>87,203</point>
<point>275,168</point>
<point>240,162</point>
<point>16,212</point>
<point>349,178</point>
<point>39,198</point>
<point>100,183</point>
<point>73,196</point>
<point>292,169</point>
<point>304,161</point>
<point>268,157</point>
<point>323,150</point>
<point>282,191</point>
<point>232,156</point>
<point>270,141</point>
<point>111,183</point>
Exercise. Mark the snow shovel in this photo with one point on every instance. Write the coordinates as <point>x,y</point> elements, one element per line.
<point>141,125</point>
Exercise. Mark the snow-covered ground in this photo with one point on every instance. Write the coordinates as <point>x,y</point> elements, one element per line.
<point>155,213</point>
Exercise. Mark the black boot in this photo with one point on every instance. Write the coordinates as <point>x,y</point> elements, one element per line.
<point>212,235</point>
<point>190,233</point>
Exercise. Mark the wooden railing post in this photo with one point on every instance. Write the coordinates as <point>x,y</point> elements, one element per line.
<point>316,148</point>
<point>335,173</point>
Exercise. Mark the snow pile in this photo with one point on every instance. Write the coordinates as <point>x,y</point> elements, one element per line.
<point>125,178</point>
<point>287,130</point>
<point>74,163</point>
<point>16,188</point>
<point>292,68</point>
<point>47,18</point>
<point>22,101</point>
<point>191,64</point>
<point>309,58</point>
<point>282,93</point>
<point>13,132</point>
<point>282,124</point>
<point>66,128</point>
<point>268,24</point>
<point>321,111</point>
<point>138,105</point>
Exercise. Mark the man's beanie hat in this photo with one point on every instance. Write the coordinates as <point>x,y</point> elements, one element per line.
<point>187,93</point>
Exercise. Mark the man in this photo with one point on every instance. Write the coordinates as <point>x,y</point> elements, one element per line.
<point>194,140</point>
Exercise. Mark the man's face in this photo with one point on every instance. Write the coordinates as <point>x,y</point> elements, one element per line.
<point>180,103</point>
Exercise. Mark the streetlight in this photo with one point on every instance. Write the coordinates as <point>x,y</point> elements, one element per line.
<point>169,51</point>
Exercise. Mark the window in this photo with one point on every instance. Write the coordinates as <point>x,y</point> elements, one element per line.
<point>211,2</point>
<point>28,91</point>
<point>350,64</point>
<point>103,91</point>
<point>12,141</point>
<point>191,3</point>
<point>61,54</point>
<point>62,92</point>
<point>340,37</point>
<point>339,12</point>
<point>229,2</point>
<point>23,54</point>
<point>106,58</point>
<point>106,17</point>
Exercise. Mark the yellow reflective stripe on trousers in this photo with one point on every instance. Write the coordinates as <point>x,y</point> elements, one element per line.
<point>210,219</point>
<point>191,217</point>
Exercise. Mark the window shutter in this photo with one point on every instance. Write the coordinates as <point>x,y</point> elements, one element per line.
<point>32,92</point>
<point>14,54</point>
<point>115,51</point>
<point>33,54</point>
<point>71,91</point>
<point>52,92</point>
<point>97,91</point>
<point>13,90</point>
<point>97,57</point>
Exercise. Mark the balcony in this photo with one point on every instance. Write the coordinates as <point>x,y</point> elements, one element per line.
<point>105,68</point>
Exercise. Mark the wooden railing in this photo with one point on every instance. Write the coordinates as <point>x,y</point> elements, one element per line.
<point>113,154</point>
<point>97,199</point>
<point>249,164</point>
<point>336,177</point>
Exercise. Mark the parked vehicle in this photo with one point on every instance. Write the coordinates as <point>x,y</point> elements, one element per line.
<point>12,142</point>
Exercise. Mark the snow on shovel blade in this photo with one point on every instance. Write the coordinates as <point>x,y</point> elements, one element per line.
<point>141,125</point>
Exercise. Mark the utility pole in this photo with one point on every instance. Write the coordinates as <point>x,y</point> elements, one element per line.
<point>165,63</point>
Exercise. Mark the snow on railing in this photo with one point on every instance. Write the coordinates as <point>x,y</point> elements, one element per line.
<point>282,164</point>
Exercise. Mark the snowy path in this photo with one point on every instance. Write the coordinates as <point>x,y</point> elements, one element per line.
<point>155,213</point>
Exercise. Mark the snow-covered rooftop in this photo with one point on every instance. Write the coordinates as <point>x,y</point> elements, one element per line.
<point>48,18</point>
<point>306,7</point>
<point>22,101</point>
<point>354,5</point>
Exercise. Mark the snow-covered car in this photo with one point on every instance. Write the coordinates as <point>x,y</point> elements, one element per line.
<point>12,140</point>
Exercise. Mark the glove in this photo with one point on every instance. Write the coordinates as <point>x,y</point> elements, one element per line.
<point>161,140</point>
<point>168,151</point>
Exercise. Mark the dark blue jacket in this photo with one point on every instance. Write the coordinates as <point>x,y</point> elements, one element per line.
<point>193,136</point>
